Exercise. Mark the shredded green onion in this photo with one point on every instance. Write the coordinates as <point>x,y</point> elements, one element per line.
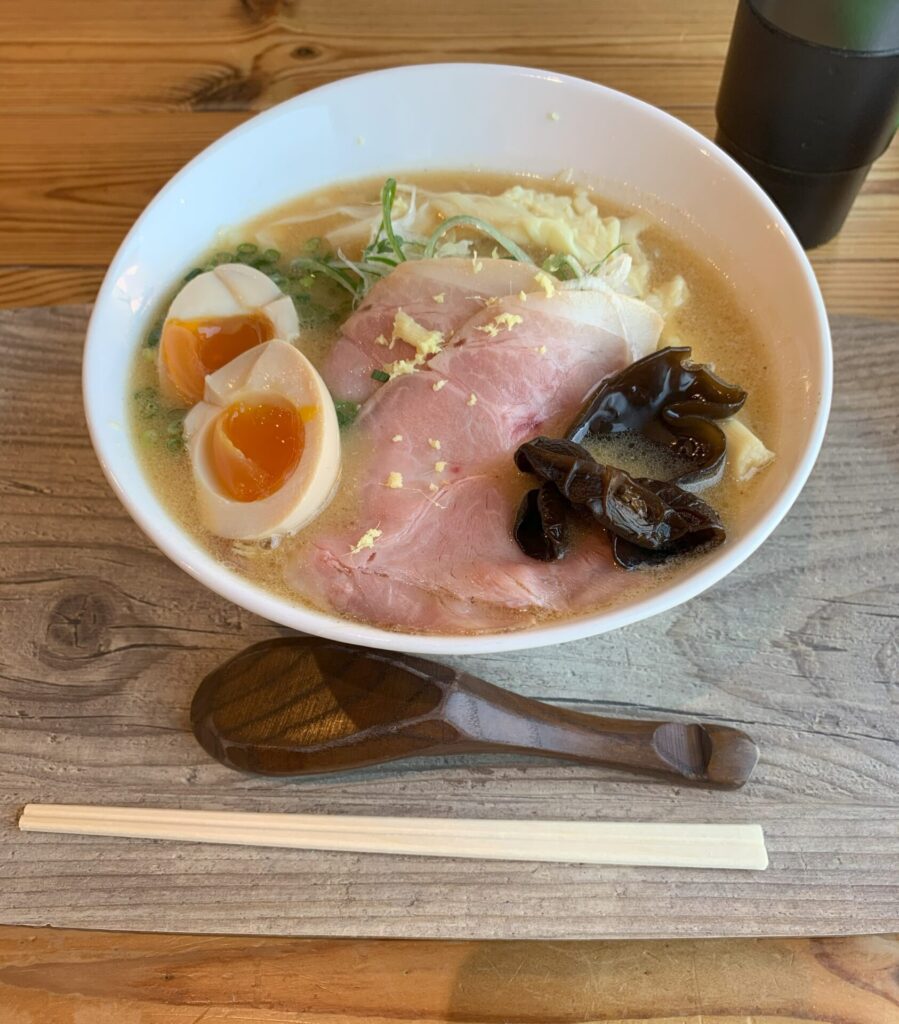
<point>387,250</point>
<point>482,225</point>
<point>336,274</point>
<point>380,375</point>
<point>388,198</point>
<point>611,251</point>
<point>564,266</point>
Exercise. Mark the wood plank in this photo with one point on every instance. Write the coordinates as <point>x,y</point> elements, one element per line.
<point>103,20</point>
<point>249,56</point>
<point>102,641</point>
<point>251,72</point>
<point>112,978</point>
<point>858,286</point>
<point>69,199</point>
<point>95,57</point>
<point>72,194</point>
<point>71,78</point>
<point>42,286</point>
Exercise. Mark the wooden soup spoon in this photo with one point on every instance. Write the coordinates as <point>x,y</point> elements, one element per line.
<point>302,705</point>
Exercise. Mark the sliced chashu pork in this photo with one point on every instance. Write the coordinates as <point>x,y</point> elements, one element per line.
<point>444,559</point>
<point>438,294</point>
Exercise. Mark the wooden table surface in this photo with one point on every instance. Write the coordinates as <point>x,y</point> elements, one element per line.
<point>100,101</point>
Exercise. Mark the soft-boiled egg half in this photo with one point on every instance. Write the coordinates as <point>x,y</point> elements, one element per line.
<point>264,444</point>
<point>216,317</point>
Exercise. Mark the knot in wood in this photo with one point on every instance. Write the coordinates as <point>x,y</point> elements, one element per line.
<point>78,621</point>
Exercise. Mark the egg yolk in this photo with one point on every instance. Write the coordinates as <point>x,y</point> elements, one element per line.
<point>255,447</point>
<point>192,349</point>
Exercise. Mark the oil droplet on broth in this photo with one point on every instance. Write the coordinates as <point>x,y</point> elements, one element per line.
<point>636,455</point>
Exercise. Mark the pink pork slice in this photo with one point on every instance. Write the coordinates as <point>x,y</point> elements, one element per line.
<point>438,294</point>
<point>445,559</point>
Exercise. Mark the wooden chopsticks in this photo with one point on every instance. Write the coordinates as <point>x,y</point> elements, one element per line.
<point>645,844</point>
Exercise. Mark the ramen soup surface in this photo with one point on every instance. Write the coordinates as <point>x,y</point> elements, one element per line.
<point>446,566</point>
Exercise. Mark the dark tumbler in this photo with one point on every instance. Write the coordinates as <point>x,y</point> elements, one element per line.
<point>809,99</point>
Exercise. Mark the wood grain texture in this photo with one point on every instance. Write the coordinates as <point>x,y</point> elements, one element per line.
<point>165,78</point>
<point>42,286</point>
<point>53,977</point>
<point>104,607</point>
<point>102,642</point>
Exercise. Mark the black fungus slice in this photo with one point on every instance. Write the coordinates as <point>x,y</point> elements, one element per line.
<point>702,528</point>
<point>541,526</point>
<point>653,516</point>
<point>669,401</point>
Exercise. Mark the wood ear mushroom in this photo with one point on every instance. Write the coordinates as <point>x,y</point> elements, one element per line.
<point>672,403</point>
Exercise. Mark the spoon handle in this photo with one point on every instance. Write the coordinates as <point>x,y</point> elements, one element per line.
<point>716,755</point>
<point>301,705</point>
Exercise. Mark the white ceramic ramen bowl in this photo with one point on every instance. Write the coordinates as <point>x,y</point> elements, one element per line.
<point>467,116</point>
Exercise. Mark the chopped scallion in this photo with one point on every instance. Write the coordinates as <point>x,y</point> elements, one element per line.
<point>380,375</point>
<point>147,402</point>
<point>311,314</point>
<point>346,412</point>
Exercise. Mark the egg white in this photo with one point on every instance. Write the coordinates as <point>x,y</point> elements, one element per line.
<point>232,289</point>
<point>274,369</point>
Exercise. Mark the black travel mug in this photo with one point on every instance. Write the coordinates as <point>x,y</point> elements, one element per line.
<point>809,99</point>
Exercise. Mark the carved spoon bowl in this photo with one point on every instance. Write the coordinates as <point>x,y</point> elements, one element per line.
<point>302,705</point>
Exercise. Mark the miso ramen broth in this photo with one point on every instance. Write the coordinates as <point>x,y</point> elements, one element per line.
<point>327,232</point>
